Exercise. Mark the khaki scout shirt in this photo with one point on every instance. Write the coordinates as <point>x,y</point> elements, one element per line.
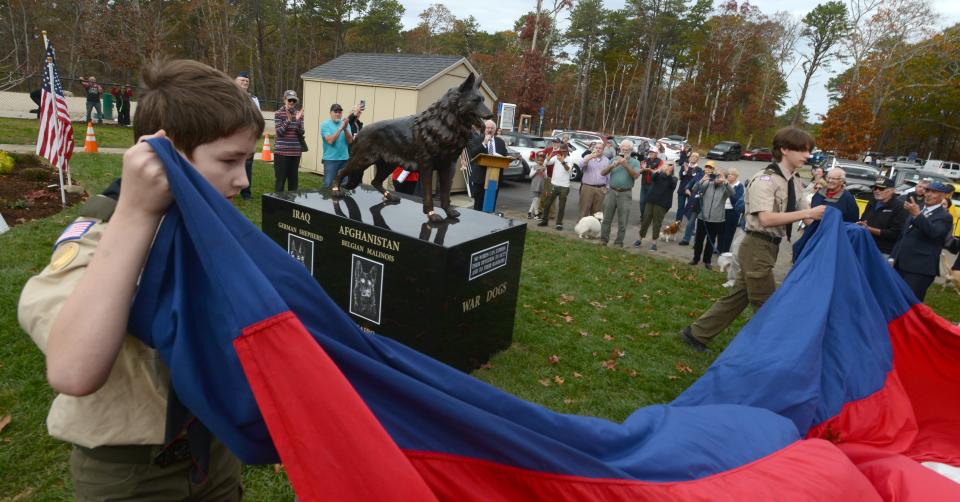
<point>767,191</point>
<point>131,406</point>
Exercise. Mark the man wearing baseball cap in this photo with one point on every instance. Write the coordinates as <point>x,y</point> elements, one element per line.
<point>916,256</point>
<point>884,215</point>
<point>336,137</point>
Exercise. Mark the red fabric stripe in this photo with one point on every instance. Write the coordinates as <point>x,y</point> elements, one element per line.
<point>331,444</point>
<point>926,357</point>
<point>807,470</point>
<point>915,416</point>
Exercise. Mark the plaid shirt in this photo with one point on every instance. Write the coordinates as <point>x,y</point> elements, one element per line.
<point>288,130</point>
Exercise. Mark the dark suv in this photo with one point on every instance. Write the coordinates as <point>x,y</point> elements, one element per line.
<point>726,150</point>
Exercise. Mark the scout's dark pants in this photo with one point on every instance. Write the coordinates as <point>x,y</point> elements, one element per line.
<point>287,171</point>
<point>556,193</point>
<point>126,473</point>
<point>753,286</point>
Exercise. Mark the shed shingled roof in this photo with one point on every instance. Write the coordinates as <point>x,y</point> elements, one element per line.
<point>399,70</point>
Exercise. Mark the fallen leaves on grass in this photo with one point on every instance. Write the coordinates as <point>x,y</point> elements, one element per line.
<point>617,354</point>
<point>4,421</point>
<point>643,325</point>
<point>568,401</point>
<point>544,382</point>
<point>577,375</point>
<point>486,366</point>
<point>559,380</point>
<point>566,317</point>
<point>609,364</point>
<point>672,377</point>
<point>653,334</point>
<point>608,338</point>
<point>597,305</point>
<point>583,333</point>
<point>554,359</point>
<point>565,298</point>
<point>683,367</point>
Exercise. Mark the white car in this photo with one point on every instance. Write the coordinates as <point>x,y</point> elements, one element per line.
<point>671,149</point>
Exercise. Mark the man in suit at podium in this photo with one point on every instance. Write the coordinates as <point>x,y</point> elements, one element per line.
<point>916,256</point>
<point>488,142</point>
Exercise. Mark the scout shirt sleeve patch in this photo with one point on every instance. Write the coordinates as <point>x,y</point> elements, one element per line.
<point>74,231</point>
<point>764,178</point>
<point>64,255</point>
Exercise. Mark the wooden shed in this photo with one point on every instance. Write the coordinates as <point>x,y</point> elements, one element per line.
<point>393,85</point>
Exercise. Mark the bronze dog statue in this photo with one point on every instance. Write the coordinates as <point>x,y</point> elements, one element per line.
<point>427,142</point>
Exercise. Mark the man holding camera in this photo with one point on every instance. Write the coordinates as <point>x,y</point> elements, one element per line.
<point>593,184</point>
<point>774,201</point>
<point>622,172</point>
<point>646,179</point>
<point>560,179</point>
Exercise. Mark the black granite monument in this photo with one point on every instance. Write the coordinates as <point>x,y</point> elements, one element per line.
<point>447,289</point>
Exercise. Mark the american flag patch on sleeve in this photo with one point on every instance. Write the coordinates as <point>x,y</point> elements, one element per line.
<point>74,231</point>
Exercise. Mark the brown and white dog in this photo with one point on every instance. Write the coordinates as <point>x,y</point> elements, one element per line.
<point>669,232</point>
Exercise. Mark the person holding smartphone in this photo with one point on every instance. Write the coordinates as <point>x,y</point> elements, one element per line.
<point>337,137</point>
<point>288,123</point>
<point>593,184</point>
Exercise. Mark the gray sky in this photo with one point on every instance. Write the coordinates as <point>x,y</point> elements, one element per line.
<point>498,15</point>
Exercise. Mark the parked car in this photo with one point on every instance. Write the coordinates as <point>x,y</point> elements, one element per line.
<point>672,149</point>
<point>913,176</point>
<point>677,137</point>
<point>640,143</point>
<point>761,154</point>
<point>857,173</point>
<point>943,168</point>
<point>817,157</point>
<point>526,144</point>
<point>726,150</point>
<point>577,150</point>
<point>518,168</point>
<point>584,136</point>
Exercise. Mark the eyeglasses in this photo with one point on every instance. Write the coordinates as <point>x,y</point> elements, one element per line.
<point>337,111</point>
<point>291,101</point>
<point>879,189</point>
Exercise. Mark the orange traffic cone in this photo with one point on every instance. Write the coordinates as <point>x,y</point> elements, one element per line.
<point>90,144</point>
<point>266,155</point>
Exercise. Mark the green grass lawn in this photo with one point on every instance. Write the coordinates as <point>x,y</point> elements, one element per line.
<point>24,132</point>
<point>596,338</point>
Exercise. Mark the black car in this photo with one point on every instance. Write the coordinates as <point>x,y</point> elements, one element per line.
<point>726,150</point>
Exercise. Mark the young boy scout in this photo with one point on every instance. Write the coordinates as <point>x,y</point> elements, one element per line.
<point>773,203</point>
<point>113,389</point>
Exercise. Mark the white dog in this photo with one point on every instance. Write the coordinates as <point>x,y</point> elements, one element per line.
<point>731,266</point>
<point>589,226</point>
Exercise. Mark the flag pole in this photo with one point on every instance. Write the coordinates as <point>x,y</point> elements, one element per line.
<point>46,47</point>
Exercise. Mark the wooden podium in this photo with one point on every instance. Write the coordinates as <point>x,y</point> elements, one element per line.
<point>494,164</point>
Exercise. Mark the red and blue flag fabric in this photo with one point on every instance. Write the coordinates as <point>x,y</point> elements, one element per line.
<point>836,389</point>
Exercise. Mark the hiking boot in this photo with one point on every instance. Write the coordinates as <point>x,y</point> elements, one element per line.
<point>693,262</point>
<point>653,247</point>
<point>691,341</point>
<point>636,243</point>
<point>684,243</point>
<point>707,266</point>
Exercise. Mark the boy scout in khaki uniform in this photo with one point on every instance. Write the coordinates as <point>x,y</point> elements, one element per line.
<point>774,202</point>
<point>113,390</point>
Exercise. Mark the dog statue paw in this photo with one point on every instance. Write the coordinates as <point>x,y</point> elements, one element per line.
<point>391,197</point>
<point>434,217</point>
<point>452,213</point>
<point>335,192</point>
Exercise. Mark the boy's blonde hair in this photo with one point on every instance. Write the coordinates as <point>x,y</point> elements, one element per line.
<point>194,103</point>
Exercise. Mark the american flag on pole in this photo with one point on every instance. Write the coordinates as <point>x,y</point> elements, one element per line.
<point>55,141</point>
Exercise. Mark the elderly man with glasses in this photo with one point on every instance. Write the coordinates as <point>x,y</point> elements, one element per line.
<point>884,216</point>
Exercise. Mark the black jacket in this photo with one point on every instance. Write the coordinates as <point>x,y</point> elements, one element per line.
<point>478,173</point>
<point>889,219</point>
<point>918,250</point>
<point>661,190</point>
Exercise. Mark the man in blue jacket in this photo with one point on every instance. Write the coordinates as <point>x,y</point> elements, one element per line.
<point>916,256</point>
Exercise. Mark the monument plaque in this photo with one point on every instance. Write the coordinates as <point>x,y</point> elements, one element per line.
<point>447,289</point>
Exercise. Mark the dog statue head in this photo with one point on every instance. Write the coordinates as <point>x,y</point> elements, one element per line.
<point>469,101</point>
